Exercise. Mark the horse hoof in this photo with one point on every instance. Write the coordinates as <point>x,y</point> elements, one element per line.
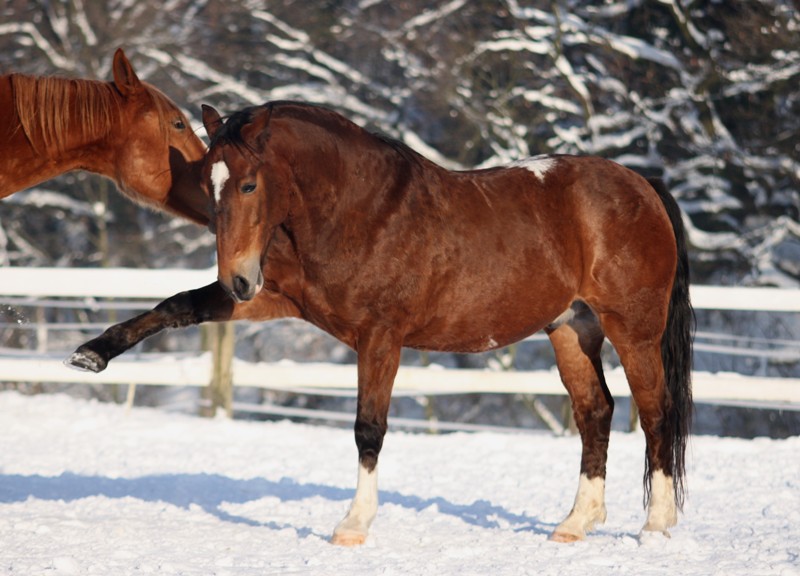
<point>652,538</point>
<point>565,537</point>
<point>649,533</point>
<point>86,361</point>
<point>348,538</point>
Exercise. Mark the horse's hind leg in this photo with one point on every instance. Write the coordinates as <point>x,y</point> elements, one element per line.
<point>640,355</point>
<point>577,344</point>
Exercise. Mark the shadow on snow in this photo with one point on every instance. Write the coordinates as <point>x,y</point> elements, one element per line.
<point>211,491</point>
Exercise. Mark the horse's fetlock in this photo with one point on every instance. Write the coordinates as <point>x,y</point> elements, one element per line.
<point>369,440</point>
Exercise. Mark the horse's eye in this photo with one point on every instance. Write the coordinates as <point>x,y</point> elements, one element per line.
<point>179,124</point>
<point>248,188</point>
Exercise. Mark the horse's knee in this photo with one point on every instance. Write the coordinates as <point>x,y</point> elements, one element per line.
<point>206,304</point>
<point>177,306</point>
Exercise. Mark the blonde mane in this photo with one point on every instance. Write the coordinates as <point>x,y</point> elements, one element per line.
<point>49,108</point>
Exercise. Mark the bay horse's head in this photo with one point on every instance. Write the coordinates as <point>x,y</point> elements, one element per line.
<point>157,156</point>
<point>246,185</point>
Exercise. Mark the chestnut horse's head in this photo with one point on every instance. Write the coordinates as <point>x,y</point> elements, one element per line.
<point>156,155</point>
<point>242,178</point>
<point>125,130</point>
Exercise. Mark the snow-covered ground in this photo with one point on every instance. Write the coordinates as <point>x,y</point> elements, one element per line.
<point>86,488</point>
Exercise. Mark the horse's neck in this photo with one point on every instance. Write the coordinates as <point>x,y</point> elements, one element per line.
<point>337,167</point>
<point>46,138</point>
<point>20,166</point>
<point>352,175</point>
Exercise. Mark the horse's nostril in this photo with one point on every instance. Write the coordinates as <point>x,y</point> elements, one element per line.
<point>241,287</point>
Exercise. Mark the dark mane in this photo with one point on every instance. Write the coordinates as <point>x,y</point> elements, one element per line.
<point>400,147</point>
<point>231,129</point>
<point>313,114</point>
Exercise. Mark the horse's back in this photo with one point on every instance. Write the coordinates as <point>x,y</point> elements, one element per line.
<point>524,242</point>
<point>557,219</point>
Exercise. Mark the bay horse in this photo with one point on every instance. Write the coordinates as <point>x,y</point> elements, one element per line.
<point>126,130</point>
<point>358,234</point>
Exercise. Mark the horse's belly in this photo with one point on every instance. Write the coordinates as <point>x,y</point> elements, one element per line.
<point>482,330</point>
<point>467,345</point>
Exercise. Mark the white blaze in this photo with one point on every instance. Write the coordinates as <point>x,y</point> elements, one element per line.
<point>539,165</point>
<point>219,175</point>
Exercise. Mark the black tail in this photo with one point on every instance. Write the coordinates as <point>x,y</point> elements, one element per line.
<point>676,348</point>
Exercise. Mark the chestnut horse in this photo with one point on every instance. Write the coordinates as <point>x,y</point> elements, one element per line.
<point>319,219</point>
<point>125,130</point>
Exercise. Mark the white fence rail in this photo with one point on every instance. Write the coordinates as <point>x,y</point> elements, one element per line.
<point>146,284</point>
<point>313,377</point>
<point>82,286</point>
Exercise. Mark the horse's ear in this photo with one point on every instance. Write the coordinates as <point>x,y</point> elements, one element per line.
<point>255,132</point>
<point>125,79</point>
<point>211,120</point>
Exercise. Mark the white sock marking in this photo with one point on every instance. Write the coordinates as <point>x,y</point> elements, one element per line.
<point>589,509</point>
<point>662,512</point>
<point>364,506</point>
<point>219,176</point>
<point>539,165</point>
<point>591,496</point>
<point>365,502</point>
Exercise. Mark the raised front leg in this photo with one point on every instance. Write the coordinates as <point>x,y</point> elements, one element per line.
<point>207,304</point>
<point>378,360</point>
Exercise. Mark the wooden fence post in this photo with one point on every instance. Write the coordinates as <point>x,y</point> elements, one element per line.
<point>633,418</point>
<point>568,416</point>
<point>219,339</point>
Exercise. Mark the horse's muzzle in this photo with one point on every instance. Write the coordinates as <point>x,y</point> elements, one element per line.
<point>243,288</point>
